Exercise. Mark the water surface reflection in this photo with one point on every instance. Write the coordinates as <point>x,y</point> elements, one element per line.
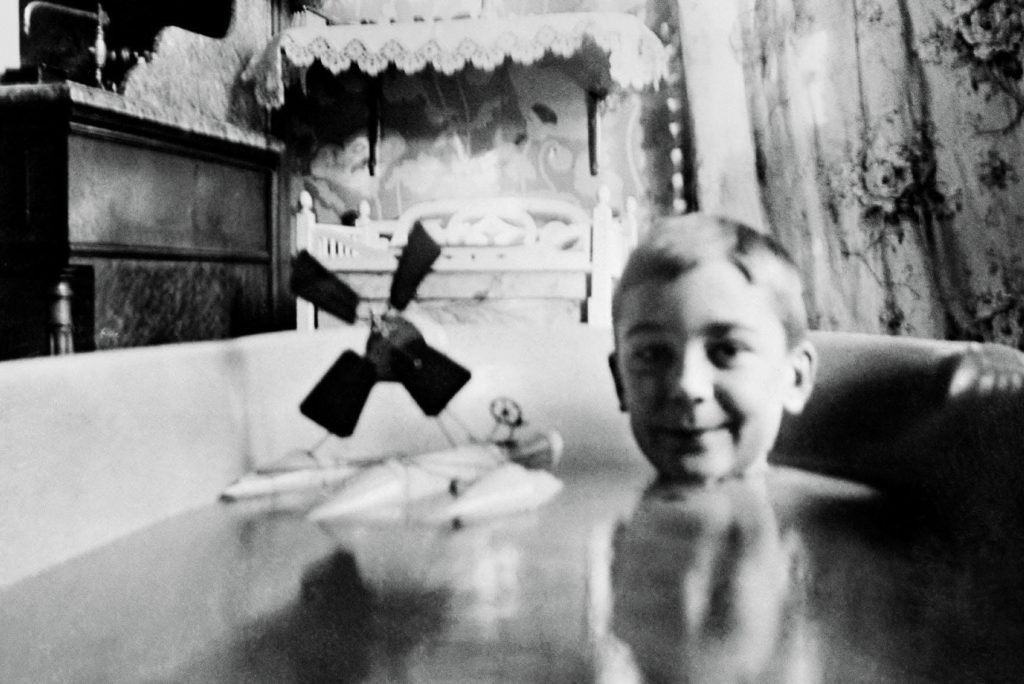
<point>793,578</point>
<point>800,578</point>
<point>699,581</point>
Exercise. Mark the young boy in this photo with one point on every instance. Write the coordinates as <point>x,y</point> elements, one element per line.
<point>710,347</point>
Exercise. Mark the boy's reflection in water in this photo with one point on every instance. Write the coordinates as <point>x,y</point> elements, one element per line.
<point>701,588</point>
<point>793,577</point>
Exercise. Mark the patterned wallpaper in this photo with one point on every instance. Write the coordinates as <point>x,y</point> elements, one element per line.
<point>198,75</point>
<point>890,140</point>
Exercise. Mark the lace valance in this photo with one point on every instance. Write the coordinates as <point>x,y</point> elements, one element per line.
<point>636,58</point>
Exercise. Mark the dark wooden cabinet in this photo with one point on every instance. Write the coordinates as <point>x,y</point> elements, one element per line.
<point>164,230</point>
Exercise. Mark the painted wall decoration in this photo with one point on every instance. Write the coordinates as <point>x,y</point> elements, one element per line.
<point>516,130</point>
<point>512,131</point>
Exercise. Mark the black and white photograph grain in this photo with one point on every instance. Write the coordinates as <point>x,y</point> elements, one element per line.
<point>511,341</point>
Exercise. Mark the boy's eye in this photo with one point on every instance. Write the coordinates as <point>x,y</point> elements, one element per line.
<point>724,353</point>
<point>651,355</point>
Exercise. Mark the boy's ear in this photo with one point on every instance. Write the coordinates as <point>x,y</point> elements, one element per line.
<point>613,365</point>
<point>803,361</point>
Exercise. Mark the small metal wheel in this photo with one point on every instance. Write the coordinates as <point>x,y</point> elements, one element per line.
<point>506,412</point>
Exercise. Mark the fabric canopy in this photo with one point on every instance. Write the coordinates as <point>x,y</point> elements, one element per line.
<point>636,57</point>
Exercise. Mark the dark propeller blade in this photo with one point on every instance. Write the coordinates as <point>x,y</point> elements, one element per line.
<point>419,255</point>
<point>430,377</point>
<point>313,282</point>
<point>338,399</point>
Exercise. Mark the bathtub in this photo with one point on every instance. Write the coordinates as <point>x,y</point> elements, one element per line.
<point>890,514</point>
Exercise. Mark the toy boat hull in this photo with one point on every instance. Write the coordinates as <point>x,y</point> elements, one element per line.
<point>272,484</point>
<point>508,489</point>
<point>406,481</point>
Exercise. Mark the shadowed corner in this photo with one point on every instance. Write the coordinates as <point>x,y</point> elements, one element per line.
<point>937,425</point>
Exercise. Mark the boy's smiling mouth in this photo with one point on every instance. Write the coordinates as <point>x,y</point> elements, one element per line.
<point>699,454</point>
<point>692,438</point>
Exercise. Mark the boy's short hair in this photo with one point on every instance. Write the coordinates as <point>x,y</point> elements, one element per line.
<point>678,244</point>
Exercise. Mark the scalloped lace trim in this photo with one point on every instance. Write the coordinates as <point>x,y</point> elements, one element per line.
<point>636,57</point>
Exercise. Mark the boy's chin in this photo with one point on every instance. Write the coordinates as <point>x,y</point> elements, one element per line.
<point>703,469</point>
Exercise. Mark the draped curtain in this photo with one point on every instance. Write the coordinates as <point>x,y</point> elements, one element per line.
<point>887,139</point>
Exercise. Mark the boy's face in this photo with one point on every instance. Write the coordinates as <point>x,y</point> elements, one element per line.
<point>704,369</point>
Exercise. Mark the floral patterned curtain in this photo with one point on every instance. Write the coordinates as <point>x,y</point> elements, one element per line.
<point>888,136</point>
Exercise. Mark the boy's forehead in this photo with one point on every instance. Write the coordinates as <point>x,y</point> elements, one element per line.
<point>722,290</point>
<point>668,282</point>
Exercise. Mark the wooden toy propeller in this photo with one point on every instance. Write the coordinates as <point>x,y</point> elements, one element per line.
<point>395,349</point>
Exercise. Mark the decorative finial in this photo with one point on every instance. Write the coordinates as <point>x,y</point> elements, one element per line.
<point>100,47</point>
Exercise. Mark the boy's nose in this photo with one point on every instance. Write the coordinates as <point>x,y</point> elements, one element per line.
<point>694,377</point>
